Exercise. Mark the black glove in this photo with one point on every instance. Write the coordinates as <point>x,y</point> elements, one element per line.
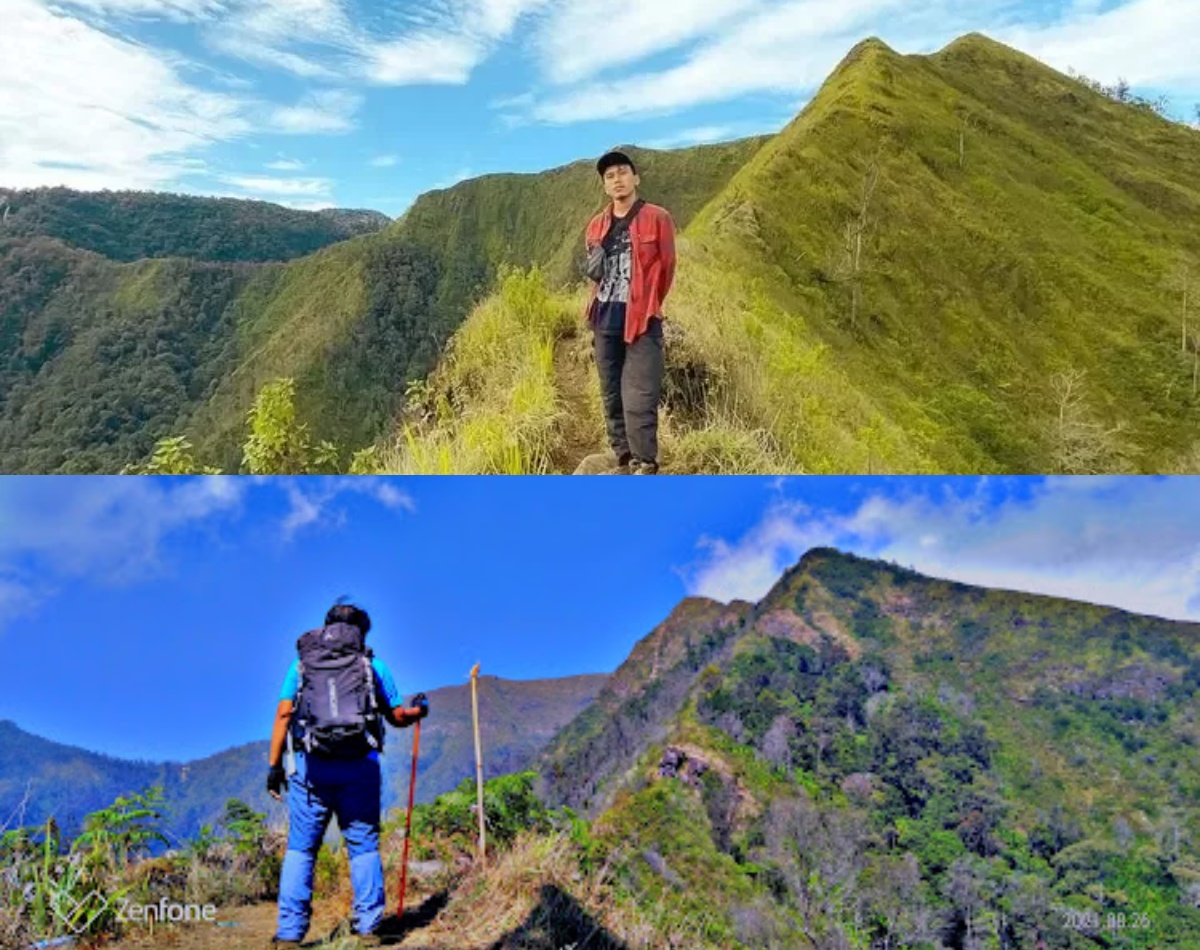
<point>421,701</point>
<point>277,780</point>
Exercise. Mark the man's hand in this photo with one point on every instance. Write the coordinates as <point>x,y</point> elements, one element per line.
<point>420,703</point>
<point>277,782</point>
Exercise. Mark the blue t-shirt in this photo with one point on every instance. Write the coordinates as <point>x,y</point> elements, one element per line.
<point>385,685</point>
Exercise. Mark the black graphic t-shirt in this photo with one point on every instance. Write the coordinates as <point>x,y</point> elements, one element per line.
<point>612,296</point>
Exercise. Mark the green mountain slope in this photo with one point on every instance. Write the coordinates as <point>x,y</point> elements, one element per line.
<point>955,762</point>
<point>958,262</point>
<point>1019,232</point>
<point>40,778</point>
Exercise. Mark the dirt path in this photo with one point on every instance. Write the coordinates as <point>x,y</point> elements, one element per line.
<point>579,440</point>
<point>251,928</point>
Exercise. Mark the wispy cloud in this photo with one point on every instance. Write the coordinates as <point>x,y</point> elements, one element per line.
<point>109,529</point>
<point>733,49</point>
<point>1132,543</point>
<point>180,10</point>
<point>286,165</point>
<point>312,39</point>
<point>1147,42</point>
<point>422,58</point>
<point>115,530</point>
<point>329,110</point>
<point>281,186</point>
<point>384,161</point>
<point>84,108</point>
<point>311,501</point>
<point>567,39</point>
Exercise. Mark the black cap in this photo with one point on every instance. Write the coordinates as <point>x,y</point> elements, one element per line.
<point>343,612</point>
<point>609,159</point>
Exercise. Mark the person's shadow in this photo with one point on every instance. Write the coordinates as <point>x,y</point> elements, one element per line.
<point>392,929</point>
<point>558,922</point>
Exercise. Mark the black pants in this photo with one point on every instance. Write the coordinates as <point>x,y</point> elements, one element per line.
<point>631,377</point>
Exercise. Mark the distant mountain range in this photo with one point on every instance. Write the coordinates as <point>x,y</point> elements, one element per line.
<point>40,778</point>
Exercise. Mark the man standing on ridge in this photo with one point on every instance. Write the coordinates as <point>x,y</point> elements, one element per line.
<point>334,700</point>
<point>631,260</point>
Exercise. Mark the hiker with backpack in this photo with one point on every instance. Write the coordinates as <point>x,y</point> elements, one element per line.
<point>631,262</point>
<point>335,698</point>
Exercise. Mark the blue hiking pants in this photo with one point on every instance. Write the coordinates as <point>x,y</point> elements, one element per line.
<point>321,788</point>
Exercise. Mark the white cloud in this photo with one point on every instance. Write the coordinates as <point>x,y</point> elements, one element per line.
<point>311,500</point>
<point>384,161</point>
<point>113,530</point>
<point>286,165</point>
<point>1147,42</point>
<point>108,528</point>
<point>330,110</point>
<point>82,108</point>
<point>449,41</point>
<point>1132,543</point>
<point>182,10</point>
<point>749,567</point>
<point>790,47</point>
<point>310,38</point>
<point>780,48</point>
<point>281,186</point>
<point>573,46</point>
<point>423,58</point>
<point>441,43</point>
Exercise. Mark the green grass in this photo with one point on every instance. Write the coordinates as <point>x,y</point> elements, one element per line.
<point>497,408</point>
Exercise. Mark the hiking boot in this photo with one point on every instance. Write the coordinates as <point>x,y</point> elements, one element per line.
<point>637,467</point>
<point>277,944</point>
<point>624,461</point>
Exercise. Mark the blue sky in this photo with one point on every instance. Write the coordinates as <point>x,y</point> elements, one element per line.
<point>367,103</point>
<point>155,618</point>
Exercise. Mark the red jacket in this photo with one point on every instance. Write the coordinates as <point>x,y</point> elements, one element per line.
<point>652,234</point>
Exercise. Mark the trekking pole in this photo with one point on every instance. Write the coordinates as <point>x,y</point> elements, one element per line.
<point>412,787</point>
<point>478,766</point>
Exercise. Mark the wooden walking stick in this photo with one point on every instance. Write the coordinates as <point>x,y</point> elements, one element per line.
<point>478,765</point>
<point>412,787</point>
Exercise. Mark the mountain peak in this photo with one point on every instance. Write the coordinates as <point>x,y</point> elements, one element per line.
<point>975,42</point>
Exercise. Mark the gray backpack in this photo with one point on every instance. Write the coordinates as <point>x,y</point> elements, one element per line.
<point>337,712</point>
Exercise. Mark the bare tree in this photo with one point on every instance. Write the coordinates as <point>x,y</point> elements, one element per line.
<point>1180,281</point>
<point>1195,362</point>
<point>964,886</point>
<point>851,269</point>
<point>1079,444</point>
